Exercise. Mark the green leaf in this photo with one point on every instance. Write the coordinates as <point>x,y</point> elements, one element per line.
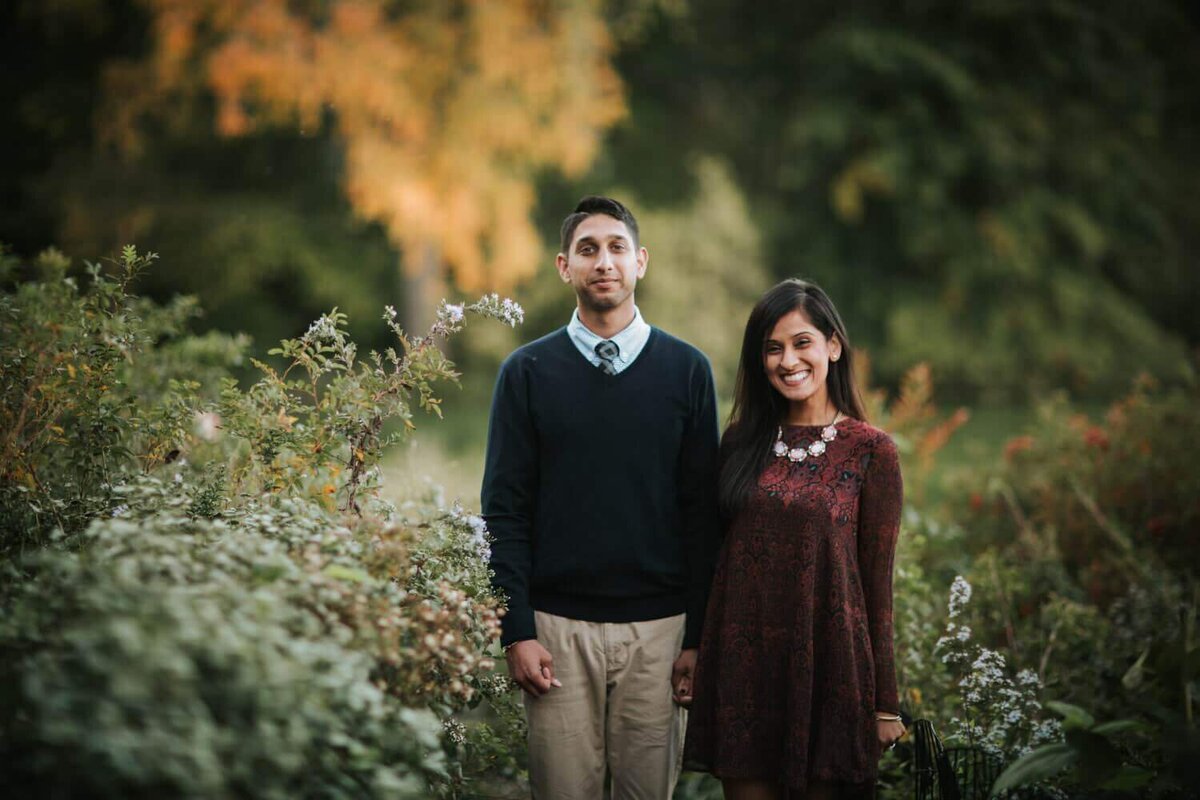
<point>1096,758</point>
<point>348,574</point>
<point>1134,676</point>
<point>1074,717</point>
<point>1118,726</point>
<point>1128,777</point>
<point>1044,762</point>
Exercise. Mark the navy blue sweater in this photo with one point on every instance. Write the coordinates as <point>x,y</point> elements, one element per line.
<point>600,490</point>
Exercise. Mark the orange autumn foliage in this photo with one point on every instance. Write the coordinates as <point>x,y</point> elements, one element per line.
<point>446,109</point>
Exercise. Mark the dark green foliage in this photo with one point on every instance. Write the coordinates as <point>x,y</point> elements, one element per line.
<point>170,658</point>
<point>1094,761</point>
<point>96,384</point>
<point>996,188</point>
<point>186,608</point>
<point>1079,554</point>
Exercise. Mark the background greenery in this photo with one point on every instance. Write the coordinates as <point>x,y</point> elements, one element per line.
<point>998,195</point>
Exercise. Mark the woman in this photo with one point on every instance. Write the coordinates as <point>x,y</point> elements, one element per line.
<point>795,688</point>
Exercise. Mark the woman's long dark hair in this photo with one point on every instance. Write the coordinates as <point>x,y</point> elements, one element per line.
<point>758,409</point>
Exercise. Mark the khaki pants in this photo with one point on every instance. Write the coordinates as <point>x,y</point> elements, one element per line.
<point>612,716</point>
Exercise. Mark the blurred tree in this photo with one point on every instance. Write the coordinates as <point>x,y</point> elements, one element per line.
<point>706,269</point>
<point>995,187</point>
<point>444,112</point>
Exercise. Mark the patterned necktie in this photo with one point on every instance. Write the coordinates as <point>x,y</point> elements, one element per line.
<point>607,351</point>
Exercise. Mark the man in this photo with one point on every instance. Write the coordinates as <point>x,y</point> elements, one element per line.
<point>600,492</point>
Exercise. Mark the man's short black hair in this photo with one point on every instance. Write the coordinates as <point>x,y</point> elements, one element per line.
<point>595,204</point>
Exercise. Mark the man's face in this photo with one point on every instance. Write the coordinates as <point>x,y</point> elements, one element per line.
<point>603,264</point>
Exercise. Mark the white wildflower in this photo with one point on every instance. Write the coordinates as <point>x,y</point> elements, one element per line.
<point>479,536</point>
<point>451,313</point>
<point>479,531</point>
<point>321,330</point>
<point>960,595</point>
<point>455,731</point>
<point>511,312</point>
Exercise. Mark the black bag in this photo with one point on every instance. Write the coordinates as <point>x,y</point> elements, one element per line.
<point>957,773</point>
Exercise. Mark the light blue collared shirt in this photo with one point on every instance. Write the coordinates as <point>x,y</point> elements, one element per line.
<point>631,340</point>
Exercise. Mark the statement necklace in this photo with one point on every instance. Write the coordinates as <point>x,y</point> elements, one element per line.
<point>814,449</point>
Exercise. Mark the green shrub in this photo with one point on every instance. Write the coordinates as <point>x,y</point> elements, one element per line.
<point>1080,547</point>
<point>180,658</point>
<point>95,384</point>
<point>202,593</point>
<point>1085,550</point>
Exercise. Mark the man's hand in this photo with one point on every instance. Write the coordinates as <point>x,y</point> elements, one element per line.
<point>531,666</point>
<point>681,676</point>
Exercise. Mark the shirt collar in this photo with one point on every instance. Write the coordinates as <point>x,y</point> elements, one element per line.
<point>636,331</point>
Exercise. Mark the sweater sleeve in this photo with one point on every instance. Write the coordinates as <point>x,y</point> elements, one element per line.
<point>878,529</point>
<point>698,498</point>
<point>509,496</point>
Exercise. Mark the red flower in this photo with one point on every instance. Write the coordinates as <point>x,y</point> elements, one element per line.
<point>1156,526</point>
<point>1095,436</point>
<point>1017,446</point>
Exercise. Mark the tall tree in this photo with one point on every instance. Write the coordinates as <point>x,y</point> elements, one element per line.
<point>445,111</point>
<point>995,187</point>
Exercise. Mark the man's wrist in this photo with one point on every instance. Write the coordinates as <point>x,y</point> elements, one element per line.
<point>509,646</point>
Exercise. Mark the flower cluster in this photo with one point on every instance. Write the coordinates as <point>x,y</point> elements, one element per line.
<point>322,329</point>
<point>958,634</point>
<point>504,309</point>
<point>325,346</point>
<point>437,656</point>
<point>1001,712</point>
<point>455,731</point>
<point>480,537</point>
<point>451,312</point>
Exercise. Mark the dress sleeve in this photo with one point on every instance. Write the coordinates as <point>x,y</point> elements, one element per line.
<point>508,498</point>
<point>878,529</point>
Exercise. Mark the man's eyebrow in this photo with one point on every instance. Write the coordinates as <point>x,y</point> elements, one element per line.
<point>589,239</point>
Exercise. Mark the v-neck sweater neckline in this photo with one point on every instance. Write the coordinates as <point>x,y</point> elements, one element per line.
<point>598,374</point>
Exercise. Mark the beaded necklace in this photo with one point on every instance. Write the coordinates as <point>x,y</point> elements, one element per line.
<point>812,450</point>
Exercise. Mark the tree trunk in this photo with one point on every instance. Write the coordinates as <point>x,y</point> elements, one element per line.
<point>424,288</point>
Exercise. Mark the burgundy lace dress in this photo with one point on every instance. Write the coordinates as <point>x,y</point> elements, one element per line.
<point>796,654</point>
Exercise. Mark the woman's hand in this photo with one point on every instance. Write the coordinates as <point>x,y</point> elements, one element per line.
<point>682,672</point>
<point>889,732</point>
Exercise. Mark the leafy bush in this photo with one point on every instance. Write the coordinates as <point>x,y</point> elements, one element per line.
<point>95,384</point>
<point>1086,533</point>
<point>1077,545</point>
<point>183,658</point>
<point>202,593</point>
<point>1103,494</point>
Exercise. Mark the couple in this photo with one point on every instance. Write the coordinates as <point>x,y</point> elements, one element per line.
<point>647,570</point>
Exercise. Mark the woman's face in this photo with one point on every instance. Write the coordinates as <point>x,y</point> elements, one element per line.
<point>796,358</point>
